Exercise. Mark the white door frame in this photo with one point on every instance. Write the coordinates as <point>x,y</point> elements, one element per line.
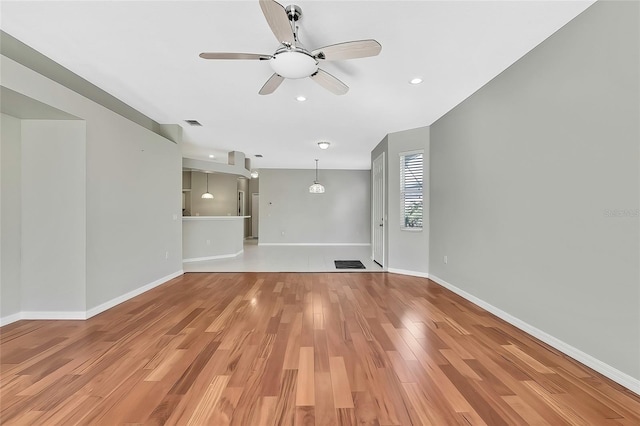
<point>376,222</point>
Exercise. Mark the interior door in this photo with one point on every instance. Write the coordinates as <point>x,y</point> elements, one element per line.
<point>255,205</point>
<point>377,207</point>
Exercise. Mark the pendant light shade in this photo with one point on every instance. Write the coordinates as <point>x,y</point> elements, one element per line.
<point>207,195</point>
<point>316,188</point>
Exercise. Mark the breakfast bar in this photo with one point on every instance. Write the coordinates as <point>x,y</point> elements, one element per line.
<point>212,237</point>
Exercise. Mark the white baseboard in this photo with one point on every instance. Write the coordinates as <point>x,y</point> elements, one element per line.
<point>220,256</point>
<point>314,244</point>
<point>52,315</point>
<point>407,272</point>
<point>10,318</point>
<point>603,368</point>
<point>130,295</point>
<point>82,315</point>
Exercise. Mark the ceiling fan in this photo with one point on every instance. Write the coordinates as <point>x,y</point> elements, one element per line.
<point>292,59</point>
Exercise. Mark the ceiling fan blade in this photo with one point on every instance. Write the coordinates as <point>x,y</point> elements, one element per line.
<point>271,85</point>
<point>278,20</point>
<point>227,55</point>
<point>329,82</point>
<point>348,50</point>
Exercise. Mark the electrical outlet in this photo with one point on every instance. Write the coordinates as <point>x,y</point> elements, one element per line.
<point>208,242</point>
<point>166,255</point>
<point>282,233</point>
<point>445,260</point>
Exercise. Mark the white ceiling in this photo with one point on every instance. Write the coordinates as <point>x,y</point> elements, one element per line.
<point>146,54</point>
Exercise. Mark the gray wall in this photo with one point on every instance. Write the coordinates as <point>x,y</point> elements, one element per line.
<point>10,216</point>
<point>134,229</point>
<point>133,182</point>
<point>224,188</point>
<point>341,215</point>
<point>525,174</point>
<point>408,250</point>
<point>53,268</point>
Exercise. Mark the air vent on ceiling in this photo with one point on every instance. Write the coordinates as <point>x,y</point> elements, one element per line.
<point>193,122</point>
<point>259,155</point>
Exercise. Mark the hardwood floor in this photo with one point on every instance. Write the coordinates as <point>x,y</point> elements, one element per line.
<point>291,348</point>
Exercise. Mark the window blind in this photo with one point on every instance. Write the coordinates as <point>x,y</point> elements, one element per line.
<point>411,184</point>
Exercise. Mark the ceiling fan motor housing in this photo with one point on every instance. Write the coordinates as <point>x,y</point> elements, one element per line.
<point>293,12</point>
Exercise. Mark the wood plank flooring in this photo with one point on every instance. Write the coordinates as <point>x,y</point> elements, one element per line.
<point>291,348</point>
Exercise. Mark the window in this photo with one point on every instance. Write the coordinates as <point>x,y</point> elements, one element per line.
<point>411,183</point>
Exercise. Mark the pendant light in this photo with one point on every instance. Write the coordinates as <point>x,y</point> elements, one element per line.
<point>316,188</point>
<point>207,194</point>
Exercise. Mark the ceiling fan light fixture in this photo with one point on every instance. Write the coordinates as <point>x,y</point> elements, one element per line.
<point>416,80</point>
<point>212,156</point>
<point>323,144</point>
<point>293,64</point>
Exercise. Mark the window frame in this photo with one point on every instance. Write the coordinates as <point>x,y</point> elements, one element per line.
<point>404,192</point>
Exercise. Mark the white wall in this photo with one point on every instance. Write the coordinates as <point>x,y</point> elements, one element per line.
<point>289,214</point>
<point>524,177</point>
<point>133,190</point>
<point>408,250</point>
<point>10,216</point>
<point>53,268</point>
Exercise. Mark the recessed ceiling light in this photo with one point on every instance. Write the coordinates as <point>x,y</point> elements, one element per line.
<point>323,144</point>
<point>212,156</point>
<point>416,80</point>
<point>301,99</point>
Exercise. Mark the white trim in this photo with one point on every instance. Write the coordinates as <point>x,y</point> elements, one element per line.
<point>407,272</point>
<point>10,319</point>
<point>82,315</point>
<point>315,244</point>
<point>192,218</point>
<point>415,151</point>
<point>53,315</point>
<point>130,295</point>
<point>605,369</point>
<point>220,256</point>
